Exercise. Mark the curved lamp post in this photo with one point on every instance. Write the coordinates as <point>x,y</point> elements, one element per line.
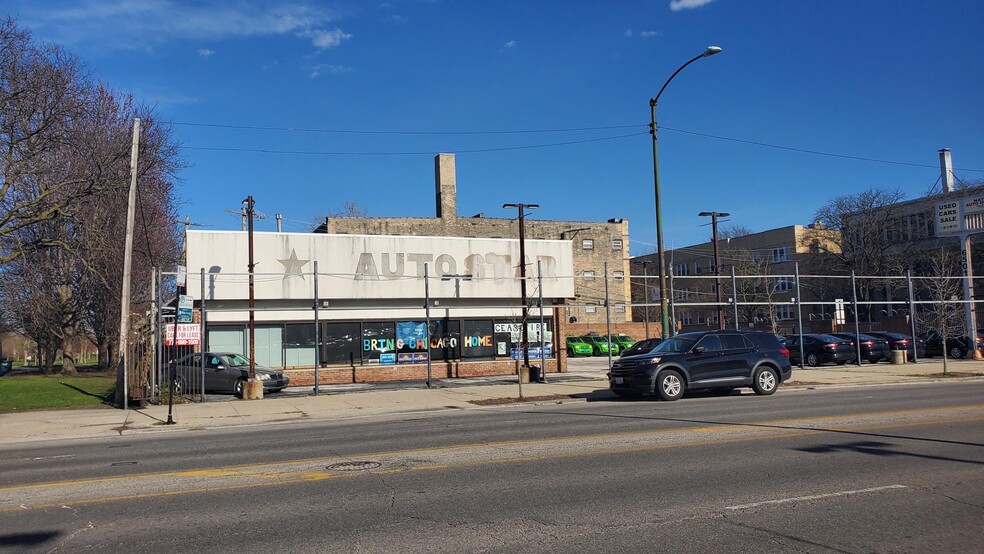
<point>663,293</point>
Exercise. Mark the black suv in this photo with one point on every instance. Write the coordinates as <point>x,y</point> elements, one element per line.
<point>720,360</point>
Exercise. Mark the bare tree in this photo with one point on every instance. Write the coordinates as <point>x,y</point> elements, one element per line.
<point>943,315</point>
<point>864,240</point>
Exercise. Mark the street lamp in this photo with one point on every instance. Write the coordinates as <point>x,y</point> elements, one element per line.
<point>717,261</point>
<point>525,341</point>
<point>663,296</point>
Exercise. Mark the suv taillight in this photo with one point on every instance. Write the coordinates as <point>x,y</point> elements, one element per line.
<point>784,351</point>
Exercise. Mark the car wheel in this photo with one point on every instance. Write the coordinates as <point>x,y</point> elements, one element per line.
<point>956,352</point>
<point>766,381</point>
<point>812,360</point>
<point>238,388</point>
<point>669,385</point>
<point>570,352</point>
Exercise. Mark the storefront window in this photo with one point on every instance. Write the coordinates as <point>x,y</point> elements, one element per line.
<point>379,342</point>
<point>477,340</point>
<point>411,342</point>
<point>342,343</point>
<point>299,344</point>
<point>445,339</point>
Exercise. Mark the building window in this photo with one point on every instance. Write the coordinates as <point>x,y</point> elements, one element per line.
<point>618,275</point>
<point>477,340</point>
<point>784,312</point>
<point>590,309</point>
<point>782,285</point>
<point>710,264</point>
<point>685,318</point>
<point>696,267</point>
<point>616,244</point>
<point>620,308</point>
<point>342,343</point>
<point>701,320</point>
<point>445,339</point>
<point>780,254</point>
<point>756,255</point>
<point>682,270</point>
<point>587,244</point>
<point>379,342</point>
<point>589,276</point>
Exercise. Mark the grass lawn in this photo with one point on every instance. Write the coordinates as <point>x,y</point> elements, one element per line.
<point>42,392</point>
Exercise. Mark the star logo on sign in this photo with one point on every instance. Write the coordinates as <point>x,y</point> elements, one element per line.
<point>293,266</point>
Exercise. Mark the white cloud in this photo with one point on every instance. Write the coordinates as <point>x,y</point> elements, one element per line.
<point>648,34</point>
<point>136,23</point>
<point>206,52</point>
<point>510,44</point>
<point>627,33</point>
<point>321,69</point>
<point>326,39</point>
<point>677,5</point>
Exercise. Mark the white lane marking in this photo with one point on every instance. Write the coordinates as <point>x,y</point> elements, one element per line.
<point>815,497</point>
<point>51,457</point>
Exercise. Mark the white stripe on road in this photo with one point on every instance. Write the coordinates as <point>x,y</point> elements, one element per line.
<point>815,497</point>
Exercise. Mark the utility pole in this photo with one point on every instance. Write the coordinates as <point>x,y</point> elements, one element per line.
<point>645,287</point>
<point>127,268</point>
<point>717,262</point>
<point>522,277</point>
<point>253,388</point>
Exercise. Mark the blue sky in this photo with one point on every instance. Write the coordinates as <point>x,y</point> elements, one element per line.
<point>890,80</point>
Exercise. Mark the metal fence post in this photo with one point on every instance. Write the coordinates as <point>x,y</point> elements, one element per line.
<point>799,300</point>
<point>427,316</point>
<point>608,319</point>
<point>912,315</point>
<point>673,318</point>
<point>857,324</point>
<point>201,334</point>
<point>734,294</point>
<point>543,351</point>
<point>160,339</point>
<point>317,335</point>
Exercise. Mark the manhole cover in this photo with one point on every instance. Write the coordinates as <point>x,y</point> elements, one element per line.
<point>353,466</point>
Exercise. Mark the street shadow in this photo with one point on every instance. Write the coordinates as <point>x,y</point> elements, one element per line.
<point>874,448</point>
<point>105,399</point>
<point>760,426</point>
<point>29,539</point>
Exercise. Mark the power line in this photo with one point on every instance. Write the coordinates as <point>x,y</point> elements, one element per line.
<point>510,132</point>
<point>427,153</point>
<point>404,133</point>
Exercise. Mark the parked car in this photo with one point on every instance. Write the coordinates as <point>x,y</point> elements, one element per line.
<point>622,340</point>
<point>900,341</point>
<point>576,346</point>
<point>644,346</point>
<point>721,360</point>
<point>601,345</point>
<point>956,347</point>
<point>820,349</point>
<point>873,349</point>
<point>224,372</point>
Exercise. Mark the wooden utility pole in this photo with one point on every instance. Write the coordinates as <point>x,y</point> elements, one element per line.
<point>121,371</point>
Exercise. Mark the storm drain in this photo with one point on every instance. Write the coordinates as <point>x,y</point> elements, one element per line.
<point>353,466</point>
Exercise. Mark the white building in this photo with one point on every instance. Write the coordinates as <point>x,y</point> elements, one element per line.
<point>369,292</point>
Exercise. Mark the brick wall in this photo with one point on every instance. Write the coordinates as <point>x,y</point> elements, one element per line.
<point>416,372</point>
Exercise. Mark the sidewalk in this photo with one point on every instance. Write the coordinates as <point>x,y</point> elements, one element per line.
<point>586,379</point>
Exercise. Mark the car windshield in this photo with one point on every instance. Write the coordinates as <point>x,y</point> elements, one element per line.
<point>574,340</point>
<point>678,343</point>
<point>235,360</point>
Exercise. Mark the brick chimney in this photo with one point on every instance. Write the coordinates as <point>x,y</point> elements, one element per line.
<point>445,185</point>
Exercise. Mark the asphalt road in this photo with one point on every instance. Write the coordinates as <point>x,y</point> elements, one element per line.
<point>866,469</point>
